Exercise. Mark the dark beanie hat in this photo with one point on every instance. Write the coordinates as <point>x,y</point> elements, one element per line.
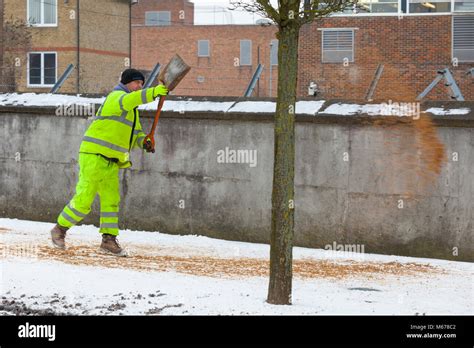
<point>130,75</point>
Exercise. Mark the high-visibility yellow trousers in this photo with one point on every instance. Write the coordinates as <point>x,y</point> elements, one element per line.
<point>97,175</point>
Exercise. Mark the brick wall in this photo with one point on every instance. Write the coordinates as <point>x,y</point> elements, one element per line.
<point>412,49</point>
<point>182,11</point>
<point>60,39</point>
<point>220,74</point>
<point>104,43</point>
<point>222,77</point>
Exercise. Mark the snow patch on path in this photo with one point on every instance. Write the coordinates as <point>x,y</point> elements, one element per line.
<point>81,284</point>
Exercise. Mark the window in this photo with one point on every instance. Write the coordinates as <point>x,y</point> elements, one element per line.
<point>274,53</point>
<point>377,6</point>
<point>464,5</point>
<point>42,12</point>
<point>463,38</point>
<point>245,52</point>
<point>203,48</point>
<point>41,69</point>
<point>337,46</point>
<point>431,6</point>
<point>158,18</point>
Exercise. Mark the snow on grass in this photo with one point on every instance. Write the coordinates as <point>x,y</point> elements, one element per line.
<point>82,281</point>
<point>98,290</point>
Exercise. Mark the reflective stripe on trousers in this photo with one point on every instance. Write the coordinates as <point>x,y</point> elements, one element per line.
<point>96,176</point>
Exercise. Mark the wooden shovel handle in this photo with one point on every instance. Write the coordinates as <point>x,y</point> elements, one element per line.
<point>151,136</point>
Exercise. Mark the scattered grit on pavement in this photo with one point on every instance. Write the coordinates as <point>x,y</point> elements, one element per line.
<point>182,275</point>
<point>147,258</point>
<point>226,267</point>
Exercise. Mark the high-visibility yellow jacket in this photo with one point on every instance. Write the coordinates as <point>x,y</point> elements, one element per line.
<point>110,132</point>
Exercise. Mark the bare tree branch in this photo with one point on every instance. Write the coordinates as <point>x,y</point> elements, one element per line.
<point>301,11</point>
<point>289,16</point>
<point>271,11</point>
<point>314,9</point>
<point>260,7</point>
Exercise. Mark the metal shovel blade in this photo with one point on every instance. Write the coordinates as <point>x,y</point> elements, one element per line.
<point>174,72</point>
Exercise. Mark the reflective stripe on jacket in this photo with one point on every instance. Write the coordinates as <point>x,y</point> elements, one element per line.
<point>109,134</point>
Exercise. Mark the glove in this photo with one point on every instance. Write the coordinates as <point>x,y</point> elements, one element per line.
<point>160,90</point>
<point>148,146</point>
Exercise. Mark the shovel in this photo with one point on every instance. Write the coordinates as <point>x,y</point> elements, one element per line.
<point>170,76</point>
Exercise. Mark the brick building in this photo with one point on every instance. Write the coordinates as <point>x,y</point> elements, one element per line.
<point>223,57</point>
<point>412,47</point>
<point>407,41</point>
<point>94,36</point>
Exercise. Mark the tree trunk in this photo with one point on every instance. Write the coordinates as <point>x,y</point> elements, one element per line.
<point>281,249</point>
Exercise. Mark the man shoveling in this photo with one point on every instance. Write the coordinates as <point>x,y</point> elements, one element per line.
<point>105,149</point>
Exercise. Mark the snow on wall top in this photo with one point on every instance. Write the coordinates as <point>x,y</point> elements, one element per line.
<point>45,99</point>
<point>302,107</point>
<point>189,105</point>
<point>441,111</point>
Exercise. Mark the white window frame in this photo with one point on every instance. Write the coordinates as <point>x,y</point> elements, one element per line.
<point>250,53</point>
<point>400,13</point>
<point>158,25</point>
<point>378,13</point>
<point>452,46</point>
<point>42,85</point>
<point>208,49</point>
<point>42,15</point>
<point>453,2</point>
<point>424,14</point>
<point>274,41</point>
<point>337,29</point>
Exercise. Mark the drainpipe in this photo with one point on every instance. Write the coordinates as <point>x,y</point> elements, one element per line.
<point>78,59</point>
<point>258,62</point>
<point>271,49</point>
<point>130,35</point>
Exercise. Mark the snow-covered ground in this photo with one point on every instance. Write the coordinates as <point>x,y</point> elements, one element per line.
<point>181,275</point>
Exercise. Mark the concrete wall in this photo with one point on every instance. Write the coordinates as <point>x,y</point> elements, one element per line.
<point>347,202</point>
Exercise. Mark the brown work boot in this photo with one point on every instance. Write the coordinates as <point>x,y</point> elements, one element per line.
<point>110,245</point>
<point>58,235</point>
